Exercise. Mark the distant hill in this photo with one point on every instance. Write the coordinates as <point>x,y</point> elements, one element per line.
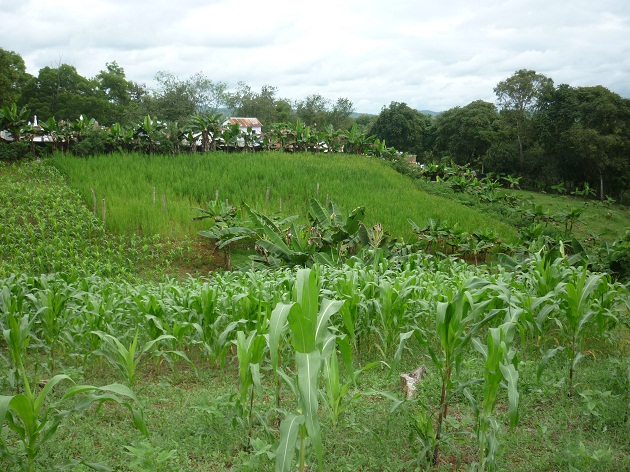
<point>431,113</point>
<point>426,112</point>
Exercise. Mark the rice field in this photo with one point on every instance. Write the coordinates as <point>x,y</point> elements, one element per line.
<point>159,194</point>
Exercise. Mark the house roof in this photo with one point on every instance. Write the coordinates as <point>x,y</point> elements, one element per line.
<point>245,122</point>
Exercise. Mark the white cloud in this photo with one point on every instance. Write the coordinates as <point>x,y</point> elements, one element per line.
<point>429,54</point>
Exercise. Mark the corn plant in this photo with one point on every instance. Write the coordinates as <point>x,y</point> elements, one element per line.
<point>335,394</point>
<point>50,318</point>
<point>34,425</point>
<point>312,341</point>
<point>249,351</point>
<point>499,367</point>
<point>127,359</point>
<point>456,322</point>
<point>18,337</point>
<point>579,306</point>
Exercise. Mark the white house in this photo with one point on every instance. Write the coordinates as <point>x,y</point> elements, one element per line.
<point>245,123</point>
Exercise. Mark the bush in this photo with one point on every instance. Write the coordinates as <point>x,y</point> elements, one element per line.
<point>14,151</point>
<point>615,259</point>
<point>90,145</point>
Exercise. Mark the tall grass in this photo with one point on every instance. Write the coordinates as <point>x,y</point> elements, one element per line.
<point>272,182</point>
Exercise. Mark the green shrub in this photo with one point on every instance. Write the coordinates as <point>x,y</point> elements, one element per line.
<point>14,151</point>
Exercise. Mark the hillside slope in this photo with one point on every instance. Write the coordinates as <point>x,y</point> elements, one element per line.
<point>274,183</point>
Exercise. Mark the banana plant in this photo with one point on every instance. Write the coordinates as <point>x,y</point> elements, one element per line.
<point>313,342</point>
<point>207,126</point>
<point>14,119</point>
<point>356,141</point>
<point>149,134</point>
<point>227,228</point>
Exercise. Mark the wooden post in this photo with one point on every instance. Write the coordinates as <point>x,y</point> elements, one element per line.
<point>216,195</point>
<point>317,192</point>
<point>93,199</point>
<point>327,199</point>
<point>104,211</point>
<point>164,203</point>
<point>267,195</point>
<point>280,203</point>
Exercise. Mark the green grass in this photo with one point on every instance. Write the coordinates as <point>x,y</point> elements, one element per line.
<point>599,222</point>
<point>182,183</point>
<point>192,415</point>
<point>608,222</point>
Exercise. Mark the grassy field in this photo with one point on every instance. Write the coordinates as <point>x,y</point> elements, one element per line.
<point>197,418</point>
<point>274,183</point>
<point>67,283</point>
<point>604,221</point>
<point>598,222</point>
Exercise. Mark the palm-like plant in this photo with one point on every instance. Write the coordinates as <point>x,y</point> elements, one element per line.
<point>148,133</point>
<point>208,127</point>
<point>13,120</point>
<point>356,141</point>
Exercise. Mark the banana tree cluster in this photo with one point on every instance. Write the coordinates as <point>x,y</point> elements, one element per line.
<point>330,237</point>
<point>204,132</point>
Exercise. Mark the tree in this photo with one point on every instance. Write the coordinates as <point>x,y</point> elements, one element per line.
<point>586,131</point>
<point>113,83</point>
<point>207,95</point>
<point>172,100</point>
<point>13,76</point>
<point>318,111</point>
<point>117,90</point>
<point>313,110</point>
<point>520,97</point>
<point>365,121</point>
<point>402,127</point>
<point>466,134</point>
<point>340,117</point>
<point>64,94</point>
<point>263,105</point>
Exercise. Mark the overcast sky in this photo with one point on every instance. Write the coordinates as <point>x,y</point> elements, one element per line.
<point>432,55</point>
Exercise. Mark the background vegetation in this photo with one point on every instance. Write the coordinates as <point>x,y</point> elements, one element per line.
<point>545,133</point>
<point>123,348</point>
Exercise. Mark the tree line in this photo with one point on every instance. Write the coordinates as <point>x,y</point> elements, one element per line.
<point>549,135</point>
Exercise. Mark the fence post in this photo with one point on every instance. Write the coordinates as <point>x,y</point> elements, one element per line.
<point>93,200</point>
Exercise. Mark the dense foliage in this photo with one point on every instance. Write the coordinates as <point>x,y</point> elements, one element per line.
<point>548,135</point>
<point>523,364</point>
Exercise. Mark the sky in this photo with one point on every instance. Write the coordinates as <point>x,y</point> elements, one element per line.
<point>431,55</point>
